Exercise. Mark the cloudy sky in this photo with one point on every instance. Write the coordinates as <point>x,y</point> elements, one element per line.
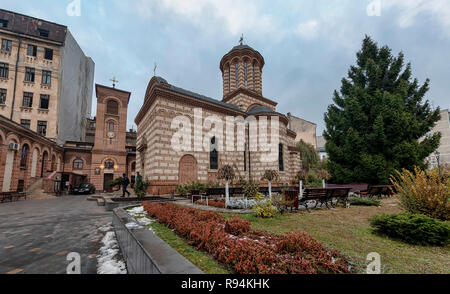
<point>308,45</point>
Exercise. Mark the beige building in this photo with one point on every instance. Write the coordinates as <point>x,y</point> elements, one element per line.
<point>304,129</point>
<point>442,126</point>
<point>166,167</point>
<point>45,79</point>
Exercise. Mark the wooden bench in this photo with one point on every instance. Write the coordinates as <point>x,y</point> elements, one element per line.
<point>377,191</point>
<point>20,195</point>
<point>340,194</point>
<point>6,196</point>
<point>320,196</point>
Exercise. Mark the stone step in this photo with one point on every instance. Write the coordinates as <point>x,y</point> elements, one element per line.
<point>101,202</point>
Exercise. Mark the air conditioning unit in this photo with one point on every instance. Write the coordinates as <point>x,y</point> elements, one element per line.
<point>13,146</point>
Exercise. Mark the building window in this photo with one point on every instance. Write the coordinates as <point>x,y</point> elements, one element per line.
<point>111,126</point>
<point>46,77</point>
<point>26,123</point>
<point>280,157</point>
<point>42,128</point>
<point>45,101</point>
<point>112,107</point>
<point>43,33</point>
<point>29,74</point>
<point>254,79</point>
<point>214,155</point>
<point>32,50</point>
<point>4,70</point>
<point>3,96</point>
<point>27,100</point>
<point>6,45</point>
<point>78,164</point>
<point>237,74</point>
<point>245,73</point>
<point>3,23</point>
<point>48,54</point>
<point>24,156</point>
<point>229,79</point>
<point>109,164</point>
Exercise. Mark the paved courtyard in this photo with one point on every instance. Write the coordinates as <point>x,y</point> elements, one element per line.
<point>37,235</point>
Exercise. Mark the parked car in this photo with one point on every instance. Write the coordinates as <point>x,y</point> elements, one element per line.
<point>83,189</point>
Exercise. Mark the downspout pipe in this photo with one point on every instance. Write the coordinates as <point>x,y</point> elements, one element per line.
<point>15,80</point>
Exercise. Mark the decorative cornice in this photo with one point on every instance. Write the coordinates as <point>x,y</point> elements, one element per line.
<point>248,93</point>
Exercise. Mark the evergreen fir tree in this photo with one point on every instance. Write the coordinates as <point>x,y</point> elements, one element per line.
<point>378,119</point>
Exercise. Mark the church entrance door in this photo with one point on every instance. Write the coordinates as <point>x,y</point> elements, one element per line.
<point>188,170</point>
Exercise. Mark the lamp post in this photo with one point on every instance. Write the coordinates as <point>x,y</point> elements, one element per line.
<point>438,156</point>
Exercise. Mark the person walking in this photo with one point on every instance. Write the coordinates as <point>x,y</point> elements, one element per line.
<point>138,176</point>
<point>125,183</point>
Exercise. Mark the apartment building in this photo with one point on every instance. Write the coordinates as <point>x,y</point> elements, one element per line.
<point>46,81</point>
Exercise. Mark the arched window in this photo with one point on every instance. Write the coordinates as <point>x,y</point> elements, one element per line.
<point>24,156</point>
<point>111,126</point>
<point>109,164</point>
<point>78,164</point>
<point>112,107</point>
<point>280,157</point>
<point>245,74</point>
<point>229,79</point>
<point>237,74</point>
<point>254,79</point>
<point>214,155</point>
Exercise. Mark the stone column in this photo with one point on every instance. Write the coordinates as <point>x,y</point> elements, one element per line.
<point>3,152</point>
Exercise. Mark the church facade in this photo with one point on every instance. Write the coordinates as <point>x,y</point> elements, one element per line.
<point>209,142</point>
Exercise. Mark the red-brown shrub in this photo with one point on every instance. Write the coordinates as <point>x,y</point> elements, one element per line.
<point>248,251</point>
<point>237,226</point>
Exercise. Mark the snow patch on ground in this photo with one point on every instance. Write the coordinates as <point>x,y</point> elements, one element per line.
<point>140,215</point>
<point>133,226</point>
<point>107,260</point>
<point>137,211</point>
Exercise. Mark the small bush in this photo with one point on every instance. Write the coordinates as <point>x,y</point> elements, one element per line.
<point>363,202</point>
<point>141,187</point>
<point>237,226</point>
<point>424,192</point>
<point>264,208</point>
<point>250,189</point>
<point>412,228</point>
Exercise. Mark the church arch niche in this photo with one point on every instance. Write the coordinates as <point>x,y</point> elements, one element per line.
<point>112,107</point>
<point>188,170</point>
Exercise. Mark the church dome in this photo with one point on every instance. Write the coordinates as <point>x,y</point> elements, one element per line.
<point>242,68</point>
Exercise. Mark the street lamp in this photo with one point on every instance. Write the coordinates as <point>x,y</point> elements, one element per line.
<point>438,156</point>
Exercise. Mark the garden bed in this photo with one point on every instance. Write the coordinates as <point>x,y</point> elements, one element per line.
<point>348,230</point>
<point>137,199</point>
<point>247,251</point>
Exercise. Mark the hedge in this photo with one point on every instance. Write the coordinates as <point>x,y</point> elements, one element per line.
<point>247,251</point>
<point>412,228</point>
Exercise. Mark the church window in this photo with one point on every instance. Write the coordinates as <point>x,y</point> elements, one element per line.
<point>78,164</point>
<point>109,164</point>
<point>254,80</point>
<point>229,79</point>
<point>24,157</point>
<point>237,75</point>
<point>112,107</point>
<point>245,73</point>
<point>280,157</point>
<point>214,155</point>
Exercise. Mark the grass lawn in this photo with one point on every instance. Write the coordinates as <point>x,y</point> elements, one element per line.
<point>348,231</point>
<point>200,259</point>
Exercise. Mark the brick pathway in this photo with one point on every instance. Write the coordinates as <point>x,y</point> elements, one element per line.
<point>37,235</point>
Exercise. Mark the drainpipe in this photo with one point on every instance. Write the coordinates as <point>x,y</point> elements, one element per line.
<point>249,156</point>
<point>15,80</point>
